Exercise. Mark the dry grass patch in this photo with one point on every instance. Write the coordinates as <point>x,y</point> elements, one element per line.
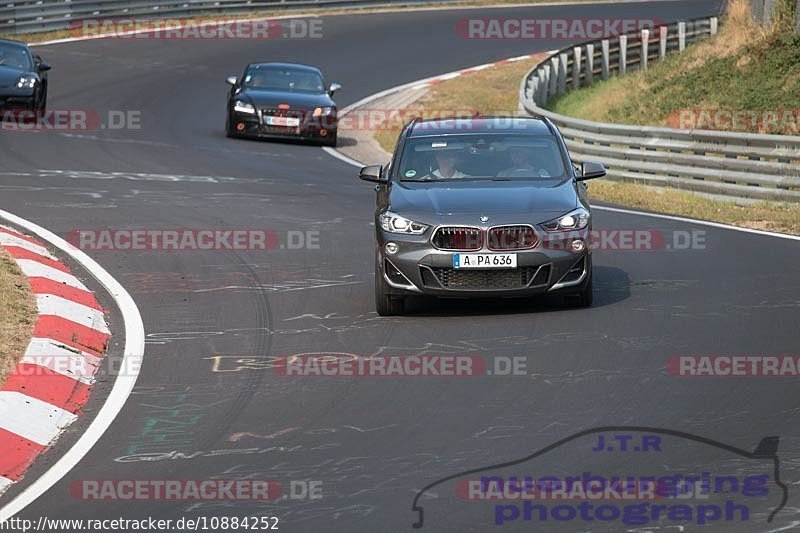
<point>492,91</point>
<point>17,314</point>
<point>769,216</point>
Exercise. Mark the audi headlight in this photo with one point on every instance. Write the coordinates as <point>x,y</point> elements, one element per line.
<point>394,223</point>
<point>577,219</point>
<point>26,82</point>
<point>320,111</point>
<point>243,107</point>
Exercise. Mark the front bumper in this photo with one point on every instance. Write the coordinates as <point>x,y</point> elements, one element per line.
<point>252,125</point>
<point>13,98</point>
<point>419,268</point>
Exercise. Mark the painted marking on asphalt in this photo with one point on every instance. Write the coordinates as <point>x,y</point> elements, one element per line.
<point>698,222</point>
<point>35,269</point>
<point>42,422</point>
<point>52,305</point>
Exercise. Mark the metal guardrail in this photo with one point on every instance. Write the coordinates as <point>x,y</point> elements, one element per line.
<point>29,16</point>
<point>756,166</point>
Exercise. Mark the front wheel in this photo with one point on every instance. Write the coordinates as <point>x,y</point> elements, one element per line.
<point>330,141</point>
<point>385,303</point>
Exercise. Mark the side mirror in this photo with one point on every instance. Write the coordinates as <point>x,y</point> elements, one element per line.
<point>591,170</point>
<point>44,67</point>
<point>373,173</point>
<point>334,87</point>
<point>232,80</point>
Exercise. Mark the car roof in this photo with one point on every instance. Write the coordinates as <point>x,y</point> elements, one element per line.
<point>480,124</point>
<point>14,43</point>
<point>293,66</point>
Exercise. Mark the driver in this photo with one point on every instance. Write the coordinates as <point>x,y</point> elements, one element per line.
<point>446,160</point>
<point>521,166</point>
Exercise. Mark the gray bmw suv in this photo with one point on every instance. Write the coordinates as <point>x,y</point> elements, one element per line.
<point>481,207</point>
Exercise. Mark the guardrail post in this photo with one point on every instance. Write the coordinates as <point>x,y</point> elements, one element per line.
<point>577,63</point>
<point>797,17</point>
<point>623,55</point>
<point>770,8</point>
<point>645,49</point>
<point>681,36</point>
<point>562,74</point>
<point>606,64</point>
<point>590,63</point>
<point>544,89</point>
<point>663,32</point>
<point>552,87</point>
<point>714,23</point>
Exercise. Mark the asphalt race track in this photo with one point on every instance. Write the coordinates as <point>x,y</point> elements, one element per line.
<point>372,442</point>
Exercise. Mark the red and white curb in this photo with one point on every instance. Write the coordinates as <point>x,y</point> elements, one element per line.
<point>51,383</point>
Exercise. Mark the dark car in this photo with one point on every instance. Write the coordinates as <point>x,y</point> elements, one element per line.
<point>23,78</point>
<point>488,206</point>
<point>282,100</point>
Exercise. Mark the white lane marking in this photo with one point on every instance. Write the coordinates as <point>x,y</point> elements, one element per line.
<point>35,269</point>
<point>50,304</point>
<point>32,418</point>
<point>4,484</point>
<point>7,239</point>
<point>340,156</point>
<point>53,355</point>
<point>699,222</point>
<point>133,354</point>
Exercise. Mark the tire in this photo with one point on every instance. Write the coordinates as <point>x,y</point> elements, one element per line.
<point>385,303</point>
<point>330,141</point>
<point>228,131</point>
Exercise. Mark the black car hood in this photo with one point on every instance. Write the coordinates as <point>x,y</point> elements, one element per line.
<point>438,202</point>
<point>9,76</point>
<point>263,98</point>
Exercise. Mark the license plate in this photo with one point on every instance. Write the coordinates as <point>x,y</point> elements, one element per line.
<point>289,122</point>
<point>484,260</point>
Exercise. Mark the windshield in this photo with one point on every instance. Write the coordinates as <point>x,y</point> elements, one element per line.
<point>493,157</point>
<point>14,56</point>
<point>284,79</point>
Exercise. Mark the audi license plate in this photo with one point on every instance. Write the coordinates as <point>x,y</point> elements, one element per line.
<point>484,260</point>
<point>288,122</point>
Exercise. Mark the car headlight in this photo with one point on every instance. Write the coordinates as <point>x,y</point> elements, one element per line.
<point>320,111</point>
<point>243,107</point>
<point>577,219</point>
<point>26,82</point>
<point>394,223</point>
